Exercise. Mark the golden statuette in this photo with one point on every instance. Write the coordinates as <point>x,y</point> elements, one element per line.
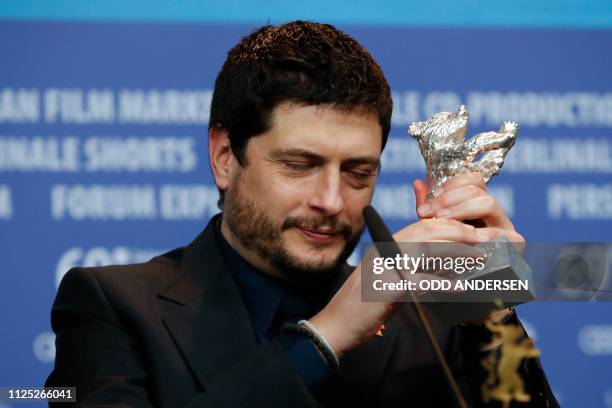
<point>504,382</point>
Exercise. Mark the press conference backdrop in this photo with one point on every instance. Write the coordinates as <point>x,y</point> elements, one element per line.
<point>103,146</point>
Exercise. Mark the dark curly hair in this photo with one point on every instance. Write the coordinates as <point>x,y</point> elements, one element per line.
<point>301,62</point>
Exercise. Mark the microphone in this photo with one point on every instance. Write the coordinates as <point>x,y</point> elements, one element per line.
<point>381,235</point>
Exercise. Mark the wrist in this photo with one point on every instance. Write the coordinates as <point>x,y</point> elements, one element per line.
<point>330,333</point>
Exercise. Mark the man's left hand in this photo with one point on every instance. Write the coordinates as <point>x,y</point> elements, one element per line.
<point>463,198</point>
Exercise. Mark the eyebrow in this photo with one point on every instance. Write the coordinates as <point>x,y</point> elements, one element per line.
<point>280,154</point>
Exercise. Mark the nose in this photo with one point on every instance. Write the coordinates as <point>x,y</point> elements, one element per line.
<point>326,195</point>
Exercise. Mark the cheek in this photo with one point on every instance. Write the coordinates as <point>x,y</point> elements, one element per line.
<point>274,193</point>
<point>355,201</point>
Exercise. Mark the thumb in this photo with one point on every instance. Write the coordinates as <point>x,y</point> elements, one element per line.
<point>420,192</point>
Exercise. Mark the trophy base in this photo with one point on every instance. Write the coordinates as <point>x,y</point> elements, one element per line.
<point>504,266</point>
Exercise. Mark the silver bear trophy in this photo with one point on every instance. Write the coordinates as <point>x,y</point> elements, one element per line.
<point>442,142</point>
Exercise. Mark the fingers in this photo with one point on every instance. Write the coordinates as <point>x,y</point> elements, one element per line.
<point>420,192</point>
<point>493,232</point>
<point>444,249</point>
<point>440,230</point>
<point>484,207</point>
<point>466,179</point>
<point>455,191</point>
<point>465,197</point>
<point>448,198</point>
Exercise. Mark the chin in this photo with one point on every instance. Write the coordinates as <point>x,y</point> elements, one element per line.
<point>312,257</point>
<point>308,251</point>
<point>323,260</point>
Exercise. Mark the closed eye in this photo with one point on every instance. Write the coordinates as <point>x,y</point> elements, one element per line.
<point>362,174</point>
<point>360,178</point>
<point>298,165</point>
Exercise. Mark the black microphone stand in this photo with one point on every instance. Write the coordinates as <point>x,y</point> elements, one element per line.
<point>380,234</point>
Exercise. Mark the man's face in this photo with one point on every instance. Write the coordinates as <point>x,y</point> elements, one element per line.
<point>294,209</point>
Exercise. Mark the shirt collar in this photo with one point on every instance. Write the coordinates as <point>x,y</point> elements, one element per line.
<point>262,294</point>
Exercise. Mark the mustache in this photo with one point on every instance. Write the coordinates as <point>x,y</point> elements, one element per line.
<point>334,226</point>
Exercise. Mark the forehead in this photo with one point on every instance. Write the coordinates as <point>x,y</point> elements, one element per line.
<point>324,129</point>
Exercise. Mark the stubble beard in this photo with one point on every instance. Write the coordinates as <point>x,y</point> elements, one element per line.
<point>257,232</point>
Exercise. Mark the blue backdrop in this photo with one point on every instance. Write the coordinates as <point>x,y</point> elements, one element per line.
<point>103,155</point>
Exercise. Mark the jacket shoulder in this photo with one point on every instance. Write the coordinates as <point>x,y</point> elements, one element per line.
<point>152,274</point>
<point>117,290</point>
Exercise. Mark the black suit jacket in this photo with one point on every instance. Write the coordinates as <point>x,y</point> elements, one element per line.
<point>174,332</point>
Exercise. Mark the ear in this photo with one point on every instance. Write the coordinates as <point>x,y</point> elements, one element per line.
<point>220,155</point>
<point>415,130</point>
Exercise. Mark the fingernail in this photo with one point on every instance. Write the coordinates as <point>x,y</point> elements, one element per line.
<point>424,209</point>
<point>469,227</point>
<point>443,213</point>
<point>438,191</point>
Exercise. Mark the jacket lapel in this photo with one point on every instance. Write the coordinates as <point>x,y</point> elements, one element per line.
<point>212,328</point>
<point>209,323</point>
<point>362,369</point>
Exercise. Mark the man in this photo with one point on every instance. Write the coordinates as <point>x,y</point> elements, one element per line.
<point>299,118</point>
